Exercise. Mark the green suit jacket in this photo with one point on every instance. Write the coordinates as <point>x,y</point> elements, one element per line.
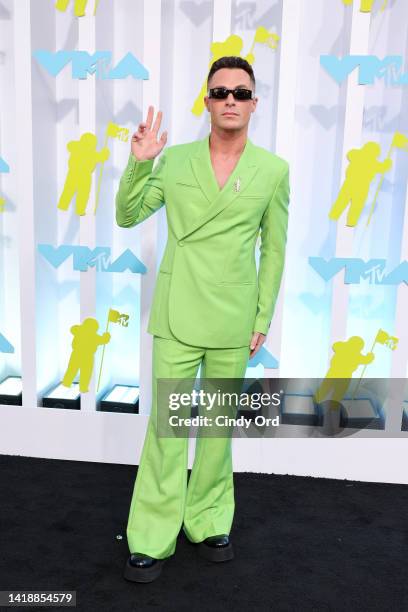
<point>208,292</point>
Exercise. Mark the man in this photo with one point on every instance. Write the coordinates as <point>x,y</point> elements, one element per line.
<point>209,306</point>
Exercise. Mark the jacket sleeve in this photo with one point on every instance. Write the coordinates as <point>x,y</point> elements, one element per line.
<point>141,190</point>
<point>274,225</point>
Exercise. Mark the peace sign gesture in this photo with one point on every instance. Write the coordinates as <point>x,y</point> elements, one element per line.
<point>144,144</point>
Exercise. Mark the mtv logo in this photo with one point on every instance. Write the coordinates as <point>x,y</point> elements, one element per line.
<point>98,258</point>
<point>370,67</point>
<point>84,63</point>
<point>356,269</point>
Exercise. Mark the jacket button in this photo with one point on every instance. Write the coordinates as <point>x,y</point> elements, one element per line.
<point>181,243</point>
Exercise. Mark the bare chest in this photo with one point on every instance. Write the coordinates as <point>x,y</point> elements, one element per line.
<point>223,169</point>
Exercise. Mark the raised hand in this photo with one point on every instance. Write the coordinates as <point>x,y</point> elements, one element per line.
<point>144,144</point>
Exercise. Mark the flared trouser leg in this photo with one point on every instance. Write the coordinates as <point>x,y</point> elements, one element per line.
<point>210,501</point>
<point>162,499</point>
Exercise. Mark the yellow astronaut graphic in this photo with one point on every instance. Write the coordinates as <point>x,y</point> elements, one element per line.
<point>363,168</point>
<point>233,46</point>
<point>346,359</point>
<point>79,6</point>
<point>81,164</point>
<point>84,345</point>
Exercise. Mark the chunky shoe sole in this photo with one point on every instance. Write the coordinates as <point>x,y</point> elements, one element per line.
<point>143,574</point>
<point>212,553</point>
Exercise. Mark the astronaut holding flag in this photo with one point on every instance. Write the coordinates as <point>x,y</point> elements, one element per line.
<point>114,316</point>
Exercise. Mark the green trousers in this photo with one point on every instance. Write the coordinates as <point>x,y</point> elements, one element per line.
<point>163,501</point>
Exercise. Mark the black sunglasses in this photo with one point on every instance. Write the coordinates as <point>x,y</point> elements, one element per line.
<point>220,93</point>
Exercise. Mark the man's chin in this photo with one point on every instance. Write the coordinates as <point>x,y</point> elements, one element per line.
<point>230,126</point>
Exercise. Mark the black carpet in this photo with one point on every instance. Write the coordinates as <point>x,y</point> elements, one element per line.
<point>300,543</point>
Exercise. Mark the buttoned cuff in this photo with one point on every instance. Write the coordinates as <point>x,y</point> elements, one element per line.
<point>134,166</point>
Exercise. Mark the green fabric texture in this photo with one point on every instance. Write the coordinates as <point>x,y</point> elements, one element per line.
<point>163,501</point>
<point>208,292</point>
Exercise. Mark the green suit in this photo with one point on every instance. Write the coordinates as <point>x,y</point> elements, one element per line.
<point>207,291</point>
<point>207,303</point>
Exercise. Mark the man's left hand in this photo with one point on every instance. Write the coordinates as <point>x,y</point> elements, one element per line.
<point>257,341</point>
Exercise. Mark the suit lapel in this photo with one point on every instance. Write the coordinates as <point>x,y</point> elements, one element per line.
<point>245,170</point>
<point>203,171</point>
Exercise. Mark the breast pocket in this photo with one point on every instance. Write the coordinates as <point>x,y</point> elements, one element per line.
<point>189,195</point>
<point>187,184</point>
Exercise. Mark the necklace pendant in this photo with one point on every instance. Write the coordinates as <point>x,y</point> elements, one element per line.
<point>237,185</point>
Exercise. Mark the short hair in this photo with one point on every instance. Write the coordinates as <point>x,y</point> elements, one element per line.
<point>231,61</point>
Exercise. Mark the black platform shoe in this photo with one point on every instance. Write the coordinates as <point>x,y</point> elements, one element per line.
<point>143,568</point>
<point>216,548</point>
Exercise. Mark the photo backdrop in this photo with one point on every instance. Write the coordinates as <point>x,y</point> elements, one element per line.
<point>76,78</point>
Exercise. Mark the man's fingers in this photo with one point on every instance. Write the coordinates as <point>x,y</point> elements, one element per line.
<point>140,132</point>
<point>254,340</point>
<point>149,117</point>
<point>256,343</point>
<point>254,350</point>
<point>157,122</point>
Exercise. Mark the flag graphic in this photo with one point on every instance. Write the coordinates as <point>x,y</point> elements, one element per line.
<point>114,130</point>
<point>115,316</point>
<point>262,35</point>
<point>400,141</point>
<point>383,338</point>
